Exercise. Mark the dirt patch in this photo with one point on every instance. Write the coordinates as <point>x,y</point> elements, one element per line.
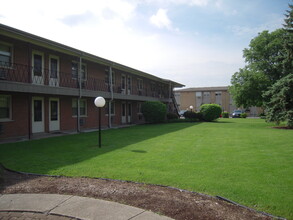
<point>175,203</point>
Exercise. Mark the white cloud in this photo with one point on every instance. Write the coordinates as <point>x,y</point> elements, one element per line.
<point>161,20</point>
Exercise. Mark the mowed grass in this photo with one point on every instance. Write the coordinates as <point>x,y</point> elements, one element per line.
<point>244,160</point>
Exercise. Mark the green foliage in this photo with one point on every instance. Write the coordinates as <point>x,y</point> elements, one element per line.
<point>210,112</point>
<point>154,111</point>
<point>264,58</point>
<point>171,115</point>
<point>193,115</point>
<point>266,54</point>
<point>247,87</point>
<point>225,114</point>
<point>279,104</point>
<point>243,115</point>
<point>288,41</point>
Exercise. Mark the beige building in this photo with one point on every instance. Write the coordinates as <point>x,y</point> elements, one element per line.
<point>209,95</point>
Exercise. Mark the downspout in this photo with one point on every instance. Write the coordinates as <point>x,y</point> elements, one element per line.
<point>112,95</point>
<point>80,94</point>
<point>29,95</point>
<point>170,87</point>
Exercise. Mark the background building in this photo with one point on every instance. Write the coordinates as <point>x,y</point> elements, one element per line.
<point>207,95</point>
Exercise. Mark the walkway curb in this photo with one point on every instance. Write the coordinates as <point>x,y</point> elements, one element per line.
<point>74,206</point>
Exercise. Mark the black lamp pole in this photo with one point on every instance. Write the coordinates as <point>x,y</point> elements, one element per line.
<point>100,137</point>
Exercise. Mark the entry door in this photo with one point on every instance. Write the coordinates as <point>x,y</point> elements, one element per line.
<point>123,115</point>
<point>123,84</point>
<point>38,124</point>
<point>129,85</point>
<point>129,113</point>
<point>54,121</point>
<point>38,68</point>
<point>54,71</point>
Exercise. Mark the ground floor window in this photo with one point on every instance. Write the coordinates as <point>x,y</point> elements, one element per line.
<point>82,107</point>
<point>107,106</point>
<point>5,107</point>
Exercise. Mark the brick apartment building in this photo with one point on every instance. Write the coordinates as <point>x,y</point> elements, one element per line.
<point>206,95</point>
<point>48,87</point>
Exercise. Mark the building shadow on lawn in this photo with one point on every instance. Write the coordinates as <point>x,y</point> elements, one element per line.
<point>44,156</point>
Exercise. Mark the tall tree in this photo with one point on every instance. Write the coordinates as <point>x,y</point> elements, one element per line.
<point>288,40</point>
<point>264,66</point>
<point>279,97</point>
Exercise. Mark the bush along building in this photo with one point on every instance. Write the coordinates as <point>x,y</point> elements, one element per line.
<point>47,87</point>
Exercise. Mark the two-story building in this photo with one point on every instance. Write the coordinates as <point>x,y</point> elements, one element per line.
<point>48,87</point>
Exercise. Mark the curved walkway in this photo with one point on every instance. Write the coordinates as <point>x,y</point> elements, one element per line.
<point>54,206</point>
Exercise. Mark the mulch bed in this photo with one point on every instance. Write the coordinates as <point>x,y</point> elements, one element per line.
<point>171,202</point>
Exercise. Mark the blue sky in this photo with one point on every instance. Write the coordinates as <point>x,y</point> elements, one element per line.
<point>198,43</point>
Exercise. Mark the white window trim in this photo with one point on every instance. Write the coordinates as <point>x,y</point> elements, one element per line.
<point>11,55</point>
<point>82,64</point>
<point>10,110</point>
<point>75,100</point>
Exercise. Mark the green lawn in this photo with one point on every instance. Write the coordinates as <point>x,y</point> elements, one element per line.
<point>244,160</point>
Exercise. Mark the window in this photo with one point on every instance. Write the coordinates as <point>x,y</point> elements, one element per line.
<point>107,76</point>
<point>139,113</point>
<point>198,94</point>
<point>75,70</point>
<point>5,54</point>
<point>54,66</point>
<point>82,107</point>
<point>140,84</point>
<point>112,108</point>
<point>38,63</point>
<point>5,107</point>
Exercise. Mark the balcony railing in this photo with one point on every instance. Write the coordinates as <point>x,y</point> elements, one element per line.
<point>28,74</point>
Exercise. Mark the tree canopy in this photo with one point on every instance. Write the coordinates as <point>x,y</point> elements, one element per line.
<point>264,66</point>
<point>267,78</point>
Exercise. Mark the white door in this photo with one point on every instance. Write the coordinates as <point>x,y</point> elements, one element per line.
<point>54,71</point>
<point>37,68</point>
<point>54,121</point>
<point>123,115</point>
<point>38,124</point>
<point>129,113</point>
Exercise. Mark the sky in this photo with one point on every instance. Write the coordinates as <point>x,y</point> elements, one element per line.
<point>197,43</point>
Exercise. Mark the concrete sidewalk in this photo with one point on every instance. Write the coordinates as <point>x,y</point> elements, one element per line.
<point>73,206</point>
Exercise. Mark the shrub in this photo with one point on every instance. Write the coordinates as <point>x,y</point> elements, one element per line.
<point>225,114</point>
<point>154,111</point>
<point>243,115</point>
<point>171,115</point>
<point>193,115</point>
<point>210,112</point>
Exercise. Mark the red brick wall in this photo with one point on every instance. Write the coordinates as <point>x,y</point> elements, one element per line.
<point>18,125</point>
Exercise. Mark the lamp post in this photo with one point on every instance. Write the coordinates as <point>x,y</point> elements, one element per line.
<point>100,102</point>
<point>191,108</point>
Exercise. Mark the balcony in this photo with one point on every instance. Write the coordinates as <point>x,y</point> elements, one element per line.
<point>23,78</point>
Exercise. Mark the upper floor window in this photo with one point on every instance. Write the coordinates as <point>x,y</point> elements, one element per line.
<point>5,107</point>
<point>107,76</point>
<point>75,70</point>
<point>5,54</point>
<point>140,84</point>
